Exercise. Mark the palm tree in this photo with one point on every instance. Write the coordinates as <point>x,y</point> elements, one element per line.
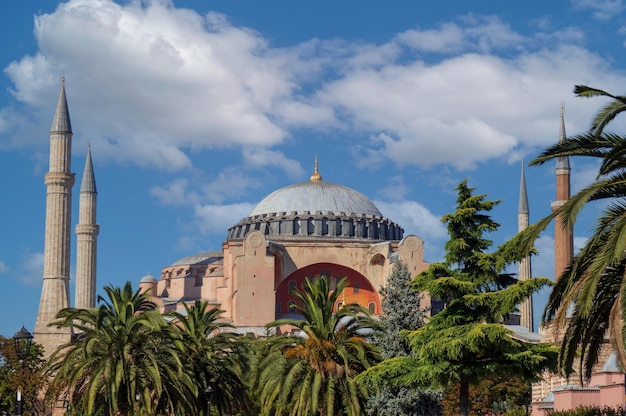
<point>124,359</point>
<point>589,300</point>
<point>607,113</point>
<point>313,372</point>
<point>215,355</point>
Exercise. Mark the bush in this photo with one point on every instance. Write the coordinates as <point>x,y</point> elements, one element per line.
<point>592,411</point>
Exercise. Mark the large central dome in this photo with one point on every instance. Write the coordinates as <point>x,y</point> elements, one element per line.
<point>314,210</point>
<point>316,196</point>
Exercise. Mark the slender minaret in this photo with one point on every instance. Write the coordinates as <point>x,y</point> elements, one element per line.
<point>56,264</point>
<point>86,239</point>
<point>563,237</point>
<point>524,269</point>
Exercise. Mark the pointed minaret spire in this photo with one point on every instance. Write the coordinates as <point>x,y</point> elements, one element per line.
<point>563,236</point>
<point>86,239</point>
<point>61,121</point>
<point>316,177</point>
<point>523,195</point>
<point>524,267</point>
<point>562,162</point>
<point>56,268</point>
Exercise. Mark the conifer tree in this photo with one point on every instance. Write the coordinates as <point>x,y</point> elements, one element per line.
<point>402,311</point>
<point>467,341</point>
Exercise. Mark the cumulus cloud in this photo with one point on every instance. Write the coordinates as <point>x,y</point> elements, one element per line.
<point>416,219</point>
<point>149,82</point>
<point>212,218</point>
<point>259,157</point>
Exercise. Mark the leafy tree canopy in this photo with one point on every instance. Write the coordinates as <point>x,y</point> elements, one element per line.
<point>467,341</point>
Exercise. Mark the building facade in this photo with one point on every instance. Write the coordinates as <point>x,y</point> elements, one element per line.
<point>305,230</point>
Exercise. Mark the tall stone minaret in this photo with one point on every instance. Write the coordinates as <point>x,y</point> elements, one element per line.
<point>524,269</point>
<point>56,268</point>
<point>563,236</point>
<point>86,237</point>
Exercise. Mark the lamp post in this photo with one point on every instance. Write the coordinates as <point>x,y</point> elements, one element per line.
<point>22,341</point>
<point>208,396</point>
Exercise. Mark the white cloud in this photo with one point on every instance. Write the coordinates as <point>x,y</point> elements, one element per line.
<point>481,33</point>
<point>416,219</point>
<point>148,82</point>
<point>211,218</point>
<point>603,9</point>
<point>3,268</point>
<point>31,269</point>
<point>259,158</point>
<point>151,79</point>
<point>173,194</point>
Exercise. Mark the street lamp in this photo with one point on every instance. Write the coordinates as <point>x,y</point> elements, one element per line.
<point>527,401</point>
<point>208,396</point>
<point>22,341</point>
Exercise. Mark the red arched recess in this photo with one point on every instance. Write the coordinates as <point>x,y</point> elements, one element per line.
<point>359,289</point>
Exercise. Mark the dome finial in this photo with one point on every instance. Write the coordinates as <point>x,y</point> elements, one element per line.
<point>316,177</point>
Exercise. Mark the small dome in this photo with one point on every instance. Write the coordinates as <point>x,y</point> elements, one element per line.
<point>148,279</point>
<point>314,196</point>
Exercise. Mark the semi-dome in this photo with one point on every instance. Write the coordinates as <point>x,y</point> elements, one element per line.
<point>317,209</point>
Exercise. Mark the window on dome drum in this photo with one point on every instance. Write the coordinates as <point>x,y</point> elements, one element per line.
<point>324,226</point>
<point>292,307</point>
<point>310,226</point>
<point>355,288</point>
<point>296,226</point>
<point>372,307</point>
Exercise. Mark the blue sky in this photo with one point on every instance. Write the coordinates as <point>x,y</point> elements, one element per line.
<point>196,110</point>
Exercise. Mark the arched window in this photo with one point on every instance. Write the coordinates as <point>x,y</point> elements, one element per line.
<point>372,308</point>
<point>339,305</point>
<point>296,226</point>
<point>324,226</point>
<point>310,226</point>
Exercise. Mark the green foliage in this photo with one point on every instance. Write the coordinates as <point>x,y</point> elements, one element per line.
<point>21,375</point>
<point>490,395</point>
<point>591,411</point>
<point>400,400</point>
<point>313,372</point>
<point>402,311</point>
<point>125,360</point>
<point>588,299</point>
<point>467,341</point>
<point>215,356</point>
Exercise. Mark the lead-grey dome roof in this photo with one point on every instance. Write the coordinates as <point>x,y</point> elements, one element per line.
<point>317,210</point>
<point>316,196</point>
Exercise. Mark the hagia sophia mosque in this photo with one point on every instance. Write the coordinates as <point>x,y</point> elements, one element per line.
<point>305,230</point>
